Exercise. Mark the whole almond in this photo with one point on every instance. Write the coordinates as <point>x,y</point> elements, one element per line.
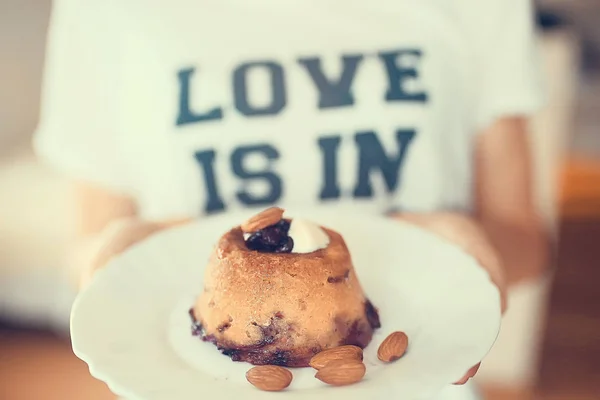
<point>263,219</point>
<point>270,378</point>
<point>393,347</point>
<point>348,353</point>
<point>342,372</point>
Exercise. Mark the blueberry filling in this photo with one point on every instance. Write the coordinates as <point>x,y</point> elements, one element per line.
<point>272,239</point>
<point>285,246</point>
<point>283,225</point>
<point>372,315</point>
<point>272,236</point>
<point>339,279</point>
<point>197,328</point>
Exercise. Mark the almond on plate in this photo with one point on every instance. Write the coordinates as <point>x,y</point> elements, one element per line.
<point>393,347</point>
<point>349,353</point>
<point>342,372</point>
<point>270,378</point>
<point>265,218</point>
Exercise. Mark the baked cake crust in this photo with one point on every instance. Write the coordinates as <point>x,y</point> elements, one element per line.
<point>281,309</point>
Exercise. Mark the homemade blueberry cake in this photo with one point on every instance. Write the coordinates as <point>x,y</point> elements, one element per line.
<point>278,291</point>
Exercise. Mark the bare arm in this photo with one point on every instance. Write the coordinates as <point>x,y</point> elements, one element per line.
<point>98,207</point>
<point>107,226</point>
<point>505,233</point>
<point>504,199</point>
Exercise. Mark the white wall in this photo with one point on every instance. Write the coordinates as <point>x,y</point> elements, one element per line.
<point>23,25</point>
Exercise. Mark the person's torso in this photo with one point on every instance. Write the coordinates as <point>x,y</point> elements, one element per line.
<point>237,104</point>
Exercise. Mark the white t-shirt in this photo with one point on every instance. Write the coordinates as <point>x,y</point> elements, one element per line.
<point>199,107</point>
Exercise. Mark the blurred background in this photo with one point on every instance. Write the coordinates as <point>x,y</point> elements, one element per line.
<point>550,344</point>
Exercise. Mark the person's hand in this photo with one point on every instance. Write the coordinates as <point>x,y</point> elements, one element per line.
<point>115,239</point>
<point>466,233</point>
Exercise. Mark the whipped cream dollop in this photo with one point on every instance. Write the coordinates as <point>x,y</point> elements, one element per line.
<point>307,236</point>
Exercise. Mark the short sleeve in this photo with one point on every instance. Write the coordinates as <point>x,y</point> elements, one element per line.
<point>510,79</point>
<point>79,130</point>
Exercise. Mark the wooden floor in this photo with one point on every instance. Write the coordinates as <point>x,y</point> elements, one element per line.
<point>571,358</point>
<point>570,368</point>
<point>39,366</point>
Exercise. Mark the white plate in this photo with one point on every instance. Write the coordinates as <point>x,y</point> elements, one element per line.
<point>131,324</point>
